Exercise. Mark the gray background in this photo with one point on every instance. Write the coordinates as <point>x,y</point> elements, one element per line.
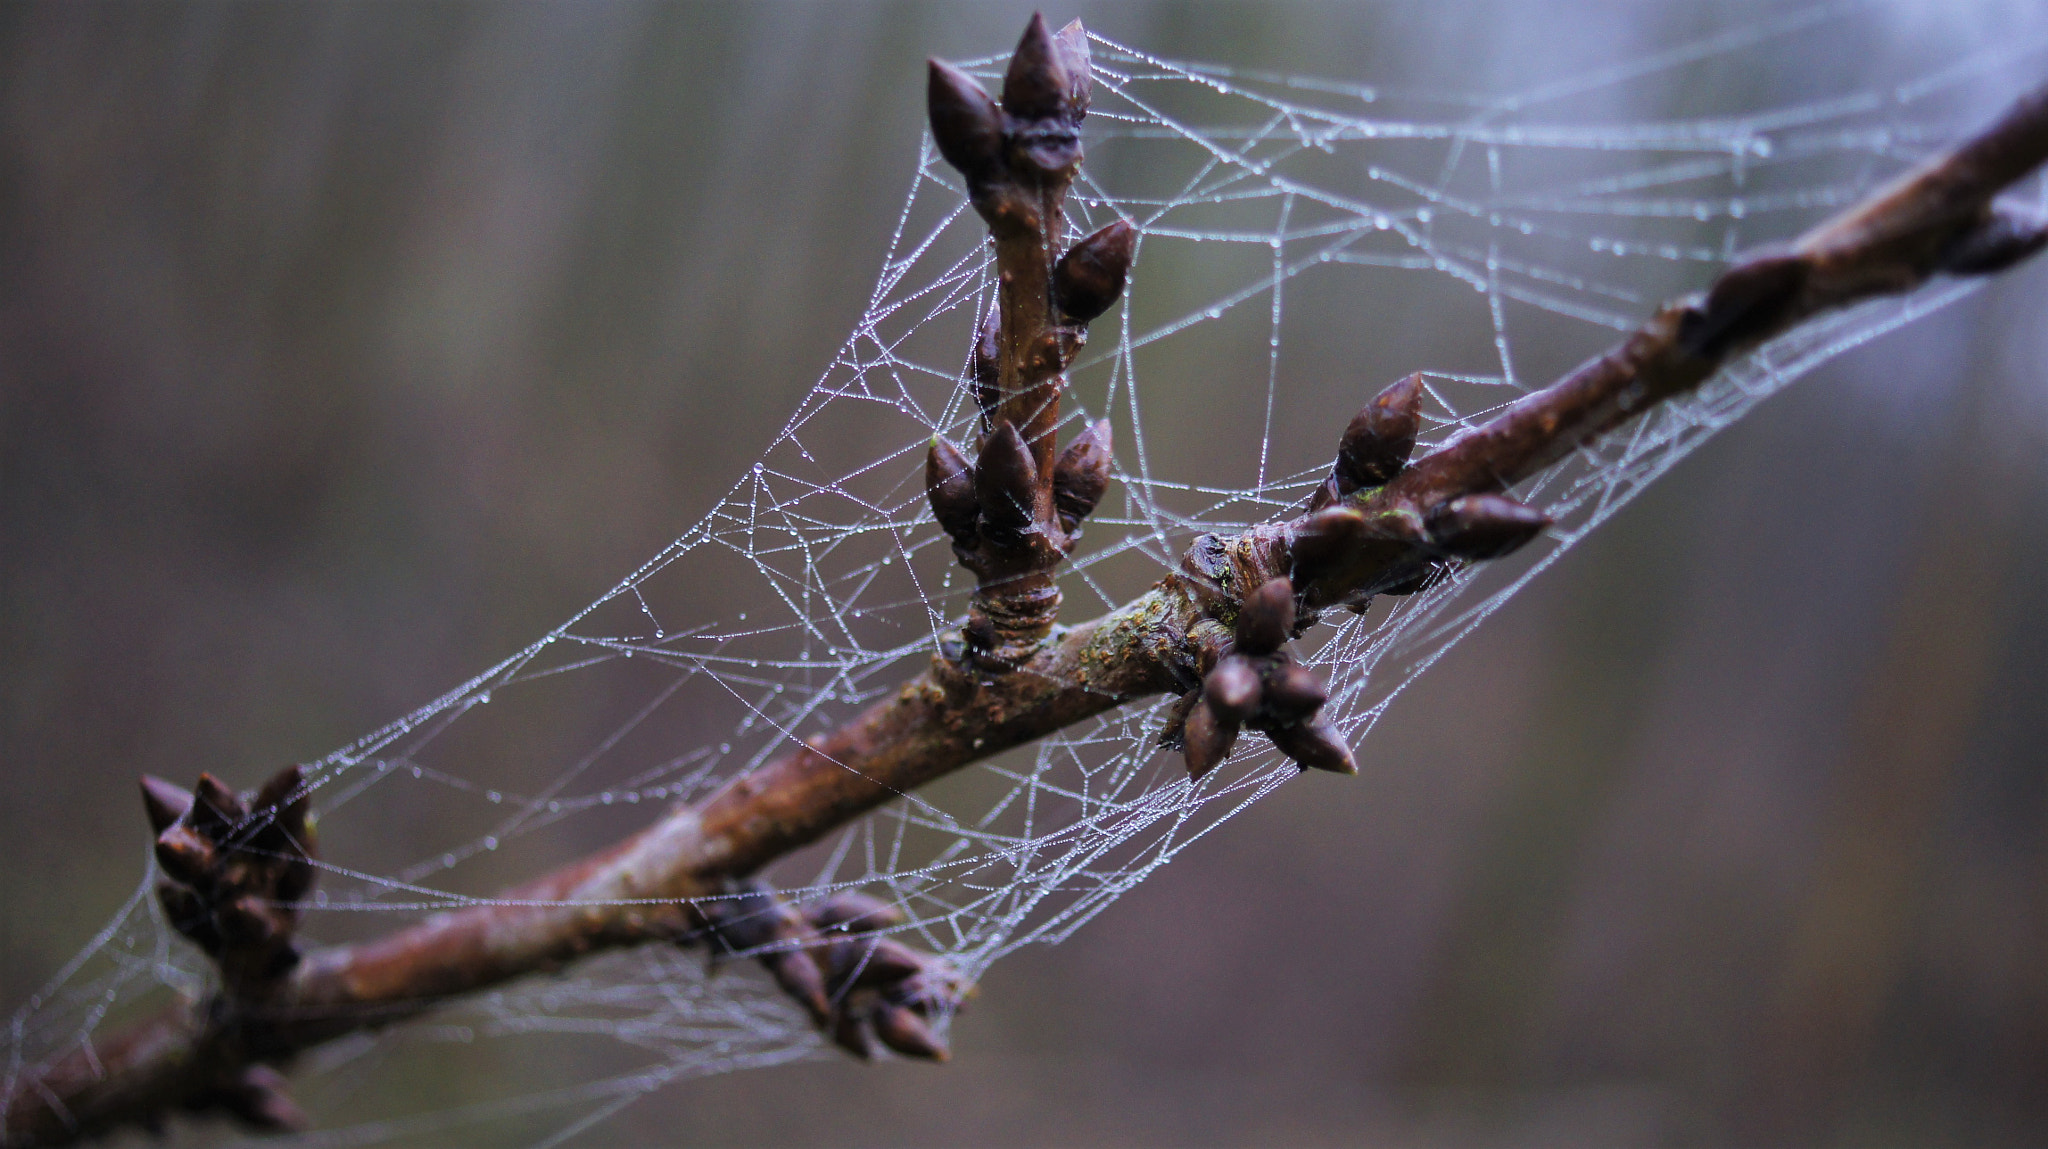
<point>344,348</point>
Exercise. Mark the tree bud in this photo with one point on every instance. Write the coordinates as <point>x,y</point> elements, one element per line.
<point>903,1031</point>
<point>1072,42</point>
<point>1325,540</point>
<point>1742,302</point>
<point>1006,482</point>
<point>1037,86</point>
<point>1266,619</point>
<point>215,807</point>
<point>1090,277</point>
<point>854,913</point>
<point>1484,526</point>
<point>799,976</point>
<point>185,856</point>
<point>1315,745</point>
<point>1206,740</point>
<point>965,123</point>
<point>1081,476</point>
<point>1232,690</point>
<point>1379,439</point>
<point>1294,692</point>
<point>949,485</point>
<point>164,802</point>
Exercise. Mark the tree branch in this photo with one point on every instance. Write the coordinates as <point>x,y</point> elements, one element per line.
<point>1357,539</point>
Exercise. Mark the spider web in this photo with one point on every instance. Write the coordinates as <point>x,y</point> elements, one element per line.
<point>1276,211</point>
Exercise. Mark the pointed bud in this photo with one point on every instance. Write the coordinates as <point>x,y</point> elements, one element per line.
<point>1232,690</point>
<point>279,790</point>
<point>2009,233</point>
<point>949,485</point>
<point>1037,86</point>
<point>1315,746</point>
<point>1072,42</point>
<point>797,972</point>
<point>260,1101</point>
<point>883,961</point>
<point>1742,302</point>
<point>1293,692</point>
<point>185,909</point>
<point>1484,526</point>
<point>1206,740</point>
<point>246,921</point>
<point>185,856</point>
<point>988,370</point>
<point>1266,620</point>
<point>1006,483</point>
<point>1379,439</point>
<point>1325,540</point>
<point>965,123</point>
<point>854,913</point>
<point>1081,477</point>
<point>215,808</point>
<point>1090,277</point>
<point>164,802</point>
<point>851,1035</point>
<point>903,1031</point>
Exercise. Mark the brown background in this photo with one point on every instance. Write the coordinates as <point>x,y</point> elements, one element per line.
<point>344,348</point>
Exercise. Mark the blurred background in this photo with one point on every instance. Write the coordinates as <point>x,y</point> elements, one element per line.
<point>346,348</point>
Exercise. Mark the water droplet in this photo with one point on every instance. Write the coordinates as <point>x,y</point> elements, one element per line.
<point>605,797</point>
<point>490,843</point>
<point>493,796</point>
<point>418,773</point>
<point>447,861</point>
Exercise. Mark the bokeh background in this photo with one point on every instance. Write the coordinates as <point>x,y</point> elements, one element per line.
<point>345,348</point>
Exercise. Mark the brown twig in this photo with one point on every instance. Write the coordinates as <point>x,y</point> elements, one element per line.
<point>1380,525</point>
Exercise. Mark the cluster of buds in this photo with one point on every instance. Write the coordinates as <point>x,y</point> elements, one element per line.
<point>233,866</point>
<point>1255,681</point>
<point>1415,548</point>
<point>857,986</point>
<point>1014,509</point>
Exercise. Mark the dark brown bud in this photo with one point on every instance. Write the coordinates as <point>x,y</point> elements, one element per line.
<point>904,1031</point>
<point>184,855</point>
<point>965,123</point>
<point>280,789</point>
<point>1090,277</point>
<point>988,370</point>
<point>1037,86</point>
<point>1232,690</point>
<point>1266,620</point>
<point>1379,439</point>
<point>215,808</point>
<point>851,1034</point>
<point>1072,42</point>
<point>1081,476</point>
<point>1484,526</point>
<point>797,972</point>
<point>1324,540</point>
<point>259,1100</point>
<point>1316,746</point>
<point>949,485</point>
<point>854,913</point>
<point>1206,740</point>
<point>247,921</point>
<point>2009,233</point>
<point>1293,692</point>
<point>164,802</point>
<point>186,912</point>
<point>883,961</point>
<point>1742,302</point>
<point>1006,482</point>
